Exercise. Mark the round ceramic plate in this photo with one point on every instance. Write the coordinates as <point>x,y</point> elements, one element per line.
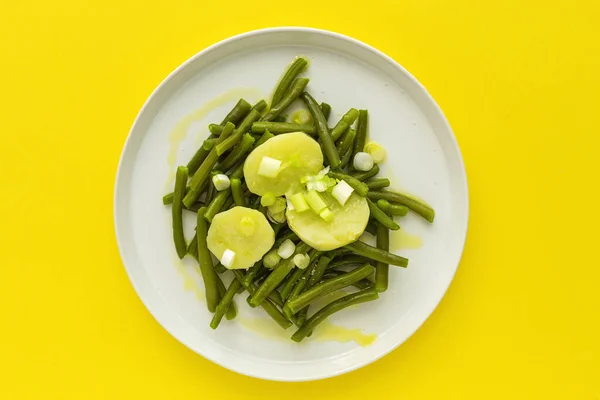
<point>423,159</point>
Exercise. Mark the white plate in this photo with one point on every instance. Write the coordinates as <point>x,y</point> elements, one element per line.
<point>424,159</point>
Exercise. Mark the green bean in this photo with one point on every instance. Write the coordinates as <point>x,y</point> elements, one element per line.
<point>348,261</point>
<point>238,153</point>
<point>326,108</point>
<point>237,172</point>
<point>371,228</point>
<point>216,205</point>
<point>376,254</point>
<point>239,111</point>
<point>414,204</point>
<point>331,308</point>
<point>232,310</point>
<point>220,268</point>
<point>254,202</point>
<point>192,247</point>
<point>382,217</point>
<point>241,289</point>
<point>301,317</point>
<point>252,271</point>
<point>206,263</point>
<point>364,175</point>
<point>168,198</point>
<point>225,303</point>
<point>295,68</point>
<point>228,204</point>
<point>181,178</point>
<point>236,192</point>
<point>322,130</point>
<point>290,283</point>
<point>283,127</point>
<point>359,187</point>
<point>210,193</point>
<point>275,298</point>
<point>361,132</point>
<point>277,276</point>
<point>203,173</point>
<point>344,123</point>
<point>215,129</point>
<point>274,313</point>
<point>295,276</point>
<point>287,235</point>
<point>345,142</point>
<point>378,183</point>
<point>319,271</point>
<point>201,155</point>
<point>281,118</point>
<point>382,269</point>
<point>260,106</point>
<point>278,227</point>
<point>209,143</point>
<point>360,285</point>
<point>266,305</point>
<point>299,287</point>
<point>304,283</point>
<point>338,253</point>
<point>265,136</point>
<point>236,136</point>
<point>392,209</point>
<point>195,207</point>
<point>345,159</point>
<point>326,287</point>
<point>297,88</point>
<point>252,277</point>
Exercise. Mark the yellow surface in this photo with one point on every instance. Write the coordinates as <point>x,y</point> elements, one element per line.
<point>519,82</point>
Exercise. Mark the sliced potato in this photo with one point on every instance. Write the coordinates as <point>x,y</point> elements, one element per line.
<point>300,155</point>
<point>242,230</point>
<point>349,222</point>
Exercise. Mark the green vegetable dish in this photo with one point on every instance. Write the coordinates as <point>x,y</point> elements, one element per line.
<point>282,204</point>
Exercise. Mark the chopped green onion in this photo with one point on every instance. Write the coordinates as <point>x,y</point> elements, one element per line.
<point>327,215</point>
<point>299,202</point>
<point>301,261</point>
<point>319,186</point>
<point>227,258</point>
<point>271,259</point>
<point>321,175</point>
<point>269,167</point>
<point>323,172</point>
<point>302,117</point>
<point>376,151</point>
<point>286,249</point>
<point>278,218</point>
<point>315,201</point>
<point>363,161</point>
<point>278,206</point>
<point>342,192</point>
<point>267,199</point>
<point>290,206</point>
<point>221,182</point>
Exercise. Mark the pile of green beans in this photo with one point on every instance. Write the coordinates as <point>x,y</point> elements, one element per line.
<point>284,291</point>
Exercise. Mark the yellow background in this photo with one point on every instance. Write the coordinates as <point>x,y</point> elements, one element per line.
<point>518,81</point>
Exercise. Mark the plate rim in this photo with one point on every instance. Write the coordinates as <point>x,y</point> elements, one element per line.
<point>265,31</point>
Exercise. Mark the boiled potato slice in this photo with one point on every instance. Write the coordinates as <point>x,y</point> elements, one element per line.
<point>300,155</point>
<point>242,230</point>
<point>349,222</point>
